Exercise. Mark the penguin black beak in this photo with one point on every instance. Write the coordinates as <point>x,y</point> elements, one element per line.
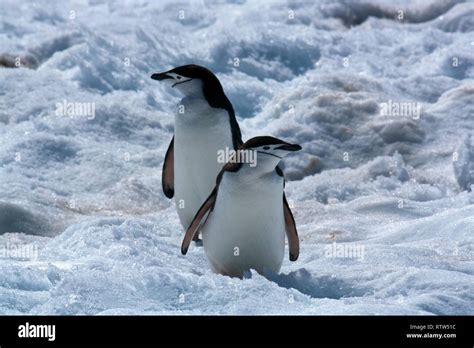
<point>289,147</point>
<point>160,76</point>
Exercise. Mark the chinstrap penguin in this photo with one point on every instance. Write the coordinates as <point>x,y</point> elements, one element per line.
<point>245,218</point>
<point>204,123</point>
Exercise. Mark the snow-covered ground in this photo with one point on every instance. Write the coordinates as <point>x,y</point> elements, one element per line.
<point>379,94</point>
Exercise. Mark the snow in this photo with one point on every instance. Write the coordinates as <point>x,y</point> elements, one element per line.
<point>85,228</point>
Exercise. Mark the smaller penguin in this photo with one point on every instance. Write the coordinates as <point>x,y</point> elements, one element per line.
<point>245,218</point>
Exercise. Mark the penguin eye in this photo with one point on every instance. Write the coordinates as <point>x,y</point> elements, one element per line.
<point>266,147</point>
<point>178,77</point>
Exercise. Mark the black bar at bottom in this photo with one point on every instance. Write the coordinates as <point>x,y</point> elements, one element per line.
<point>348,330</point>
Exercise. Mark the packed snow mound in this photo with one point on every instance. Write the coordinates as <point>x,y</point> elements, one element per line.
<point>123,265</point>
<point>379,94</point>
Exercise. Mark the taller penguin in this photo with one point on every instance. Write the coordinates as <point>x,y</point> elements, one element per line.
<point>204,123</point>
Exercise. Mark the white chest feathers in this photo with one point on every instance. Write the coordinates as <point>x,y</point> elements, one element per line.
<point>246,229</point>
<point>200,132</point>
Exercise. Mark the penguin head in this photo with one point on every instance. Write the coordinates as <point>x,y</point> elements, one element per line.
<point>269,151</point>
<point>195,80</point>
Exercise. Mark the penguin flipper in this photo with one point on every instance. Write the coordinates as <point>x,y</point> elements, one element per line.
<point>291,233</point>
<point>193,227</point>
<point>167,176</point>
